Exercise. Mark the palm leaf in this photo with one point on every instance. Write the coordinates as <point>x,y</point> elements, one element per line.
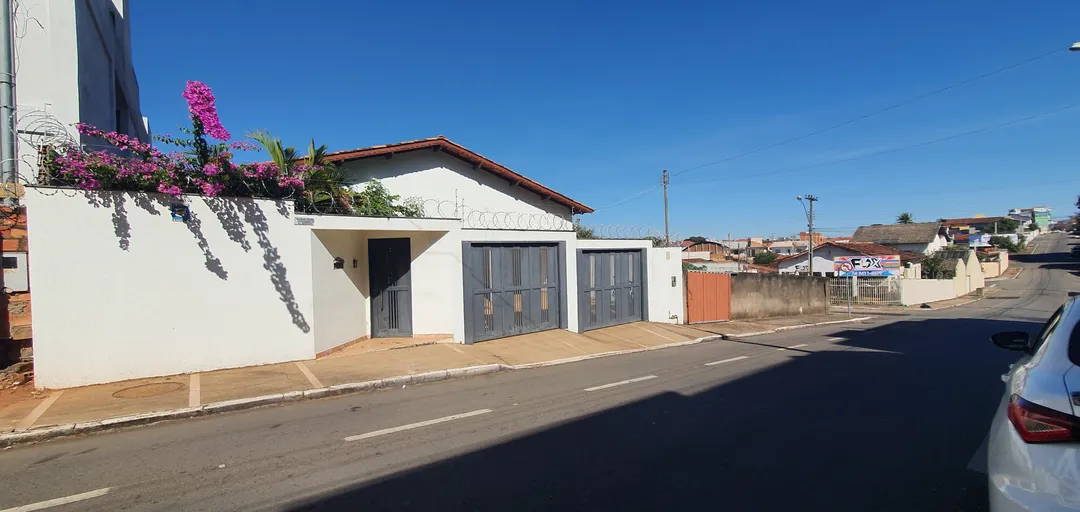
<point>273,147</point>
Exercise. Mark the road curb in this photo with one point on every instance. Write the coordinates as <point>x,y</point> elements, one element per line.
<point>9,439</point>
<point>795,327</point>
<point>71,429</point>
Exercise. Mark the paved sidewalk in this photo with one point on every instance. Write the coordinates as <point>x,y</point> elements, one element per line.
<point>365,366</point>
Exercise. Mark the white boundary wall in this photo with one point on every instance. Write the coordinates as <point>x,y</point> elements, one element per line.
<point>122,291</point>
<point>666,287</point>
<point>919,291</point>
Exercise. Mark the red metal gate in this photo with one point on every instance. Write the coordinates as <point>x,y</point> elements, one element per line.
<point>708,297</point>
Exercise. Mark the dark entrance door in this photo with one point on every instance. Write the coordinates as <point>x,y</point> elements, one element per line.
<point>389,260</point>
<point>610,287</point>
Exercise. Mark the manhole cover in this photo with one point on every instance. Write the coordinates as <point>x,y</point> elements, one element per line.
<point>148,390</point>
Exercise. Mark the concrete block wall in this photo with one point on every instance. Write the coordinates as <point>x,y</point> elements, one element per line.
<point>16,330</point>
<point>774,295</point>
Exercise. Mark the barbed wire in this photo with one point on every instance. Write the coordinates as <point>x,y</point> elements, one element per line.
<point>625,232</point>
<point>416,207</point>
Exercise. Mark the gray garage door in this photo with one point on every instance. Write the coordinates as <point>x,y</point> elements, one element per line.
<point>610,287</point>
<point>510,289</point>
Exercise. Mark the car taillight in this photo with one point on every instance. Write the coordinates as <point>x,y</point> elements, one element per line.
<point>1038,424</point>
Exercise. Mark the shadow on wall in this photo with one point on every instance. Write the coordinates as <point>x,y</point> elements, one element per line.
<point>254,216</point>
<point>889,421</point>
<point>233,214</point>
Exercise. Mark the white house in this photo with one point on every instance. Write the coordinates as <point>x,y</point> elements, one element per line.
<point>788,247</point>
<point>922,237</point>
<point>826,252</point>
<point>73,61</point>
<point>123,290</point>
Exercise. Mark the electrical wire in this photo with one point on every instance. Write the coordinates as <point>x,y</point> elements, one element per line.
<point>636,196</point>
<point>839,125</point>
<point>872,114</point>
<point>894,150</point>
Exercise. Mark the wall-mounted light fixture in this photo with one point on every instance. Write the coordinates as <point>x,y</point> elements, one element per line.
<point>339,263</point>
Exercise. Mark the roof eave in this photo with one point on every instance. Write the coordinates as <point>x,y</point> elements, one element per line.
<point>479,162</point>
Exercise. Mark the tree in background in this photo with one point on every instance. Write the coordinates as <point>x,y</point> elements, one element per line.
<point>764,258</point>
<point>584,232</point>
<point>656,241</point>
<point>697,239</point>
<point>687,266</point>
<point>1004,242</point>
<point>1003,226</point>
<point>937,267</point>
<point>905,218</point>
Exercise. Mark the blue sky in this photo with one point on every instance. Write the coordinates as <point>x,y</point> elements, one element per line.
<point>594,99</point>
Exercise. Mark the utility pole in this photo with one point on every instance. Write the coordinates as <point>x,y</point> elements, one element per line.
<point>665,180</point>
<point>810,224</point>
<point>8,158</point>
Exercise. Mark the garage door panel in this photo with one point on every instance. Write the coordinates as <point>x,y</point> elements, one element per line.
<point>516,291</point>
<point>610,287</point>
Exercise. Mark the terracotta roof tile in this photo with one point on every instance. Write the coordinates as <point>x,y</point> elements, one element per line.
<point>971,220</point>
<point>916,233</point>
<point>445,145</point>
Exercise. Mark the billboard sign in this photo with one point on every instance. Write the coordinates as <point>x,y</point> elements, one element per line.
<point>979,240</point>
<point>867,266</point>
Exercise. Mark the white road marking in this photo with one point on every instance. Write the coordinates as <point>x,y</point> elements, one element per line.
<point>729,360</point>
<point>834,338</point>
<point>416,425</point>
<point>800,345</point>
<point>1021,271</point>
<point>310,376</point>
<point>194,397</point>
<point>28,421</point>
<point>620,383</point>
<point>42,505</point>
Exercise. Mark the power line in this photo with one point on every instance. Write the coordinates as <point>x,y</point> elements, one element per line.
<point>894,150</point>
<point>638,195</point>
<point>872,114</point>
<point>839,125</point>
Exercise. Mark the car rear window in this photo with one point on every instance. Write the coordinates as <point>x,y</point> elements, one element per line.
<point>1074,345</point>
<point>1048,330</point>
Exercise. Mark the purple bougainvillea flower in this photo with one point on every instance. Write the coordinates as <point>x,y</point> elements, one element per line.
<point>212,189</point>
<point>166,188</point>
<point>201,106</point>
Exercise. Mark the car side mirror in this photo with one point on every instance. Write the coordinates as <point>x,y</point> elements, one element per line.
<point>1012,340</point>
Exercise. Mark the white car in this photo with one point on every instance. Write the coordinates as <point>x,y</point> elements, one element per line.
<point>1034,447</point>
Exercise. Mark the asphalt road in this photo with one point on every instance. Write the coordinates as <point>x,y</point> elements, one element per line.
<point>885,415</point>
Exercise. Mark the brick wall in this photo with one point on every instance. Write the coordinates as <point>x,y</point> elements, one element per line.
<point>15,327</point>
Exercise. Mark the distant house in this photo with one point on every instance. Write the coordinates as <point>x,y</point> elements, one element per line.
<point>819,237</point>
<point>971,225</point>
<point>1039,215</point>
<point>787,247</point>
<point>824,254</point>
<point>708,250</point>
<point>922,237</point>
<point>739,248</point>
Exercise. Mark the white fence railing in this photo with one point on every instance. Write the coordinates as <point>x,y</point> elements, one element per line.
<point>865,291</point>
